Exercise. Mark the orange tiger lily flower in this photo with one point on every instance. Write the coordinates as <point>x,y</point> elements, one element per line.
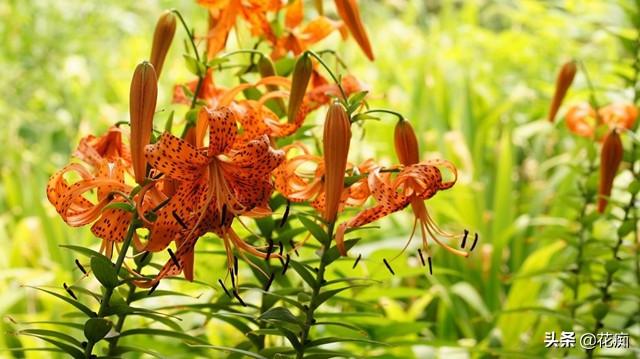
<point>582,119</point>
<point>109,159</point>
<point>301,178</point>
<point>297,38</point>
<point>214,184</point>
<point>68,199</point>
<point>110,147</point>
<point>619,115</point>
<point>224,14</point>
<point>413,184</point>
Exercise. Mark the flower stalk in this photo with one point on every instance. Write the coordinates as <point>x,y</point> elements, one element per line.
<point>106,298</point>
<point>315,291</point>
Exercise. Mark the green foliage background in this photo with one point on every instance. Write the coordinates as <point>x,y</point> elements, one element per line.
<point>474,77</point>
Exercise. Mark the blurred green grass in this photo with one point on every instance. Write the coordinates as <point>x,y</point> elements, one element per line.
<point>473,77</point>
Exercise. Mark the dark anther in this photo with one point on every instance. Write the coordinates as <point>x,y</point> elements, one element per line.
<point>280,249</point>
<point>83,344</point>
<point>71,293</point>
<point>430,266</point>
<point>173,257</point>
<point>269,281</point>
<point>313,321</point>
<point>475,241</point>
<point>286,265</point>
<point>235,265</point>
<point>223,214</point>
<point>293,246</point>
<point>464,239</point>
<point>178,219</point>
<point>286,214</point>
<point>323,282</point>
<point>235,293</point>
<point>84,271</point>
<point>223,287</point>
<point>421,257</point>
<point>233,278</point>
<point>269,249</point>
<point>305,307</point>
<point>153,289</point>
<point>144,256</point>
<point>357,260</point>
<point>388,266</point>
<point>162,204</point>
<point>315,269</point>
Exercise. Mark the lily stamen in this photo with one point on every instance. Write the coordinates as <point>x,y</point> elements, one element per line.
<point>388,266</point>
<point>464,239</point>
<point>84,271</point>
<point>269,281</point>
<point>356,261</point>
<point>224,288</point>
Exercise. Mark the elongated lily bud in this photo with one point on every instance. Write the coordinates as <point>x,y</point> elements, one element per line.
<point>336,139</point>
<point>349,12</point>
<point>162,37</point>
<point>563,81</point>
<point>142,105</point>
<point>319,7</point>
<point>406,143</point>
<point>610,159</point>
<point>267,69</point>
<point>300,81</point>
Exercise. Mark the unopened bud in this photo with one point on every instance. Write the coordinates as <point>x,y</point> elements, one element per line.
<point>350,14</point>
<point>162,37</point>
<point>336,139</point>
<point>406,143</point>
<point>610,159</point>
<point>301,75</point>
<point>563,81</point>
<point>142,105</point>
<point>267,69</point>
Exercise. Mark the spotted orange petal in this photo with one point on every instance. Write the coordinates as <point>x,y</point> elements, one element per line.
<point>176,158</point>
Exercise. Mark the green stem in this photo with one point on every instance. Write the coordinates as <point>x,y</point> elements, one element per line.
<point>304,336</point>
<point>106,298</point>
<point>113,342</point>
<point>333,76</point>
<point>335,54</point>
<point>592,91</point>
<point>186,29</point>
<point>242,51</point>
<point>200,76</point>
<point>587,197</point>
<point>629,209</point>
<point>382,110</point>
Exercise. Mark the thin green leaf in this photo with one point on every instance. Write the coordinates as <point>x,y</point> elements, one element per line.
<point>83,308</point>
<point>230,350</point>
<point>315,229</point>
<point>74,352</point>
<point>52,334</point>
<point>303,272</point>
<point>163,333</point>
